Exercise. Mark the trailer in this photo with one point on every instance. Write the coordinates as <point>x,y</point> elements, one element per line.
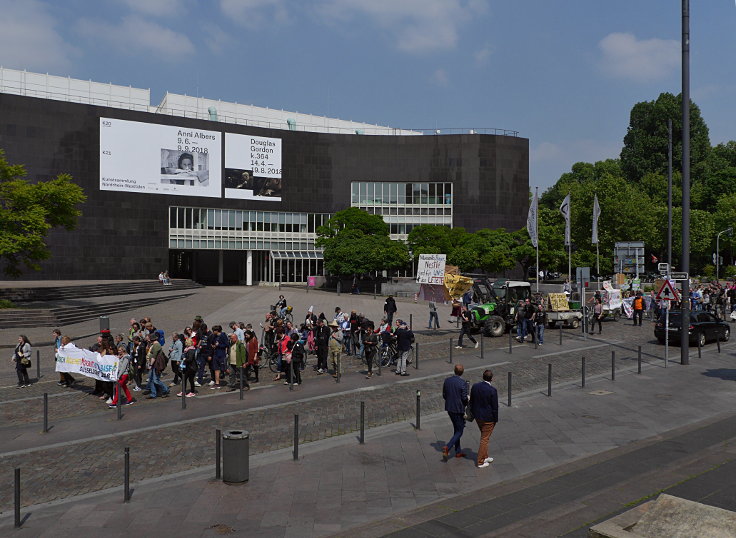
<point>559,312</point>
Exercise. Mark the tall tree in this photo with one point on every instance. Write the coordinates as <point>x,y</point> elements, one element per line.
<point>645,143</point>
<point>28,211</point>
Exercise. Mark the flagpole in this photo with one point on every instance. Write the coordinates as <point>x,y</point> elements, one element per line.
<point>536,193</point>
<point>569,241</point>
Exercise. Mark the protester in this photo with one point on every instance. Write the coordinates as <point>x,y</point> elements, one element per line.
<point>465,329</point>
<point>236,354</point>
<point>176,350</point>
<point>65,378</point>
<point>433,316</point>
<point>22,359</point>
<point>122,380</point>
<point>156,364</point>
<point>389,308</point>
<point>370,343</point>
<point>335,347</point>
<point>404,340</point>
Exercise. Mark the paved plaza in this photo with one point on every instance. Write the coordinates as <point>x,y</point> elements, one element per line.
<point>562,461</point>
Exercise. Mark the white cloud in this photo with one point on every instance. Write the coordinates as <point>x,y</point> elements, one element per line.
<point>414,25</point>
<point>156,7</point>
<point>216,38</point>
<point>135,35</point>
<point>29,39</point>
<point>645,60</point>
<point>439,77</point>
<point>254,13</point>
<point>481,56</point>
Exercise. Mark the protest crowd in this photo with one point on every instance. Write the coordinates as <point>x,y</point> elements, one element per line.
<point>203,356</point>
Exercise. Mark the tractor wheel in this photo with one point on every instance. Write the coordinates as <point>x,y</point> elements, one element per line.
<point>496,326</point>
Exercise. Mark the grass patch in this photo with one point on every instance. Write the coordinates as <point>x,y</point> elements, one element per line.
<point>4,303</point>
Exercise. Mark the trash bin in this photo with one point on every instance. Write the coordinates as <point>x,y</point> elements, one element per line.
<point>104,324</point>
<point>235,455</point>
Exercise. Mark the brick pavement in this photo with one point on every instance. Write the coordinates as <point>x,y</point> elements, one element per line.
<point>339,485</point>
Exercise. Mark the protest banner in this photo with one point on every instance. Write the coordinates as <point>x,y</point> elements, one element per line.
<point>72,359</point>
<point>431,269</point>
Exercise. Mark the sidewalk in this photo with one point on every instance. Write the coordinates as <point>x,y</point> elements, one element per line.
<point>636,435</point>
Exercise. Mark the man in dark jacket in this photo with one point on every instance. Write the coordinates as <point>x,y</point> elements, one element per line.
<point>389,308</point>
<point>455,394</point>
<point>484,405</point>
<point>404,340</point>
<point>321,340</point>
<point>219,357</point>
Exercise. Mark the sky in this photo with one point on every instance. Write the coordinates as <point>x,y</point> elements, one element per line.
<point>563,73</point>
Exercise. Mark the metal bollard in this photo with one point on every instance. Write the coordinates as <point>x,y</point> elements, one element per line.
<point>183,393</point>
<point>338,287</point>
<point>549,380</point>
<point>296,437</point>
<point>411,322</point>
<point>450,350</point>
<point>17,498</point>
<point>536,338</point>
<point>38,364</point>
<point>338,367</point>
<point>481,345</point>
<point>613,366</point>
<point>45,412</point>
<point>241,379</point>
<point>509,389</point>
<point>362,422</point>
<point>378,358</point>
<point>638,360</point>
<point>119,401</point>
<point>416,356</point>
<point>218,473</point>
<point>126,476</point>
<point>699,353</point>
<point>511,342</point>
<point>583,372</point>
<point>418,424</point>
<point>291,379</point>
<point>374,292</point>
<point>560,334</point>
<point>718,343</point>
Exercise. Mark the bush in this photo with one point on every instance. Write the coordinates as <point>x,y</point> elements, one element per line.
<point>729,271</point>
<point>709,270</point>
<point>4,303</point>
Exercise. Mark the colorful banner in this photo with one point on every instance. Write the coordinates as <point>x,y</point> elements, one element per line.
<point>531,221</point>
<point>596,214</point>
<point>73,360</point>
<point>565,211</point>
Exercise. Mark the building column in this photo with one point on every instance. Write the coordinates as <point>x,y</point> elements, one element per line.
<point>220,266</point>
<point>249,268</point>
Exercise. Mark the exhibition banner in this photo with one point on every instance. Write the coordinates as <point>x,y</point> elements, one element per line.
<point>431,268</point>
<point>252,167</point>
<point>76,360</point>
<point>159,159</point>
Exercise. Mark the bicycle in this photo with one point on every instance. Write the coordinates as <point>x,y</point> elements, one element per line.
<point>269,357</point>
<point>287,316</point>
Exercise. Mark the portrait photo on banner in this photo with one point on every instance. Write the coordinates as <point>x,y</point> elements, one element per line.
<point>184,168</point>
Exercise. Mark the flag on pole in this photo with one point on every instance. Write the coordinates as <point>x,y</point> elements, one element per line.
<point>531,221</point>
<point>596,214</point>
<point>565,210</point>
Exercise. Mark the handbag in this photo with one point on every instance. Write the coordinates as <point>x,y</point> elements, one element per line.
<point>469,417</point>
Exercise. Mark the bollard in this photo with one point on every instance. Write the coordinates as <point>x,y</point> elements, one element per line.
<point>560,334</point>
<point>450,350</point>
<point>296,437</point>
<point>411,322</point>
<point>511,342</point>
<point>718,343</point>
<point>416,356</point>
<point>338,287</point>
<point>17,498</point>
<point>378,358</point>
<point>549,380</point>
<point>119,401</point>
<point>457,322</point>
<point>583,372</point>
<point>338,367</point>
<point>374,292</point>
<point>699,355</point>
<point>362,422</point>
<point>613,366</point>
<point>509,389</point>
<point>240,371</point>
<point>38,364</point>
<point>45,412</point>
<point>291,378</point>
<point>183,393</point>
<point>419,395</point>
<point>638,360</point>
<point>481,345</point>
<point>126,476</point>
<point>218,473</point>
<point>536,337</point>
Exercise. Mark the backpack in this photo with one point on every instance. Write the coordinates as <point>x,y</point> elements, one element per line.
<point>161,337</point>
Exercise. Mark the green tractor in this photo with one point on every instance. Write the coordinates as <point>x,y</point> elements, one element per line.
<point>496,307</point>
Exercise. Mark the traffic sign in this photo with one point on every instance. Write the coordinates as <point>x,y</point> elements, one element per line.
<point>679,276</point>
<point>668,292</point>
<point>663,268</point>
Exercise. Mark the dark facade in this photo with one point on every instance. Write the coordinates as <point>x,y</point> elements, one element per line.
<point>125,235</point>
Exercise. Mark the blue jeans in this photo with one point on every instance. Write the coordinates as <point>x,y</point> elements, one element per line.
<point>540,333</point>
<point>347,340</point>
<point>524,326</point>
<point>435,317</point>
<point>154,381</point>
<point>458,425</point>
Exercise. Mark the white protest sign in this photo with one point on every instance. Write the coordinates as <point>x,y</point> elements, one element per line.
<point>431,269</point>
<point>72,359</point>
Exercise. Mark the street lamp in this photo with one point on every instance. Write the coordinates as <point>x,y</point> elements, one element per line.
<point>729,231</point>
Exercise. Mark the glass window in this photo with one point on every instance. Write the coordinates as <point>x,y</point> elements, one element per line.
<point>432,193</point>
<point>424,190</point>
<point>172,217</point>
<point>362,197</point>
<point>354,192</point>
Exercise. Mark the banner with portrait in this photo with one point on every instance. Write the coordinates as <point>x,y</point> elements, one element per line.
<point>159,159</point>
<point>252,167</point>
<point>74,360</point>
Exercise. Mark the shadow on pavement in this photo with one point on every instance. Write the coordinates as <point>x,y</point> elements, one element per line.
<point>729,374</point>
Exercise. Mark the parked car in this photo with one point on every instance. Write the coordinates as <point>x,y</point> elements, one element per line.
<point>704,327</point>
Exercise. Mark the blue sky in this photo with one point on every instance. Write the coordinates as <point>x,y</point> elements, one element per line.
<point>564,73</point>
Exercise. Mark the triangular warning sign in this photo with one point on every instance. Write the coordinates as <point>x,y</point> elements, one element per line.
<point>668,292</point>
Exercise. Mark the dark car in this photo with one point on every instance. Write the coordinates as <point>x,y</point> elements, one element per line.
<point>704,327</point>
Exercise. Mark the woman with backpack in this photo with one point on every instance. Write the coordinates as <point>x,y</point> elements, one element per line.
<point>22,359</point>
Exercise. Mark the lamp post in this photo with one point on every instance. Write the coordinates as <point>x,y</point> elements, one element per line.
<point>729,231</point>
<point>685,259</point>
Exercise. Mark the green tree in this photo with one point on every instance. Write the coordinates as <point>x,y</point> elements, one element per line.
<point>356,242</point>
<point>645,143</point>
<point>28,211</point>
<point>433,239</point>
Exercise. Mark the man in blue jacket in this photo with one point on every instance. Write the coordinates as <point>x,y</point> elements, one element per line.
<point>484,405</point>
<point>455,393</point>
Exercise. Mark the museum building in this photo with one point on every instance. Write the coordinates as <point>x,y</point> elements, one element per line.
<point>223,192</point>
